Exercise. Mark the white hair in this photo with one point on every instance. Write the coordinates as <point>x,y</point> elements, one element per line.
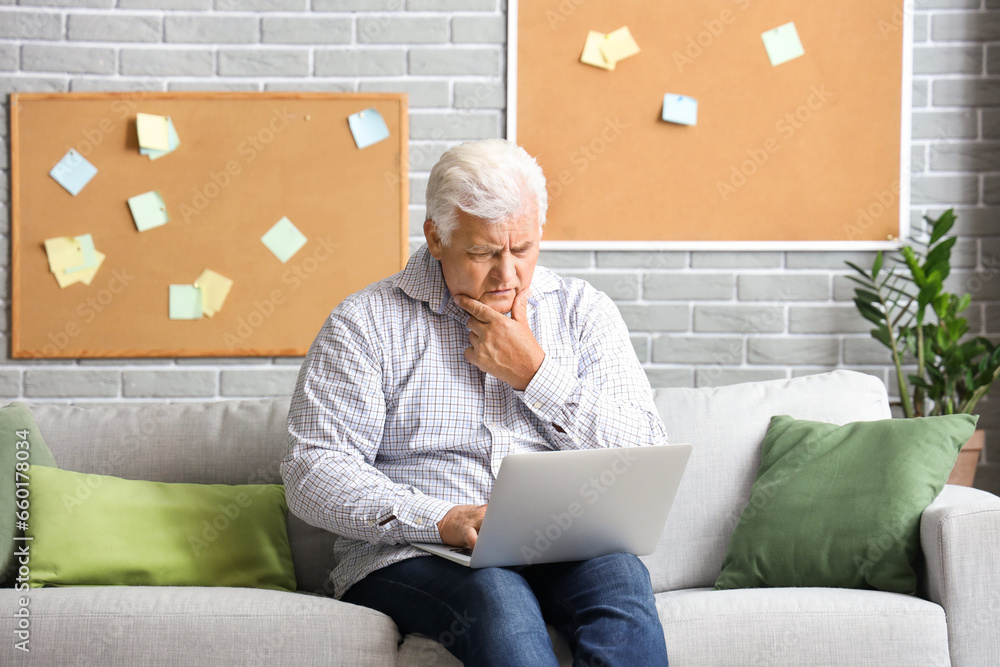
<point>494,179</point>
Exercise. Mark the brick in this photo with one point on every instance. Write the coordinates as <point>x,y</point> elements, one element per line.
<point>276,382</point>
<point>991,123</point>
<point>4,165</point>
<point>684,286</point>
<point>75,59</point>
<point>698,350</point>
<point>263,62</point>
<point>359,62</point>
<point>945,125</point>
<point>480,95</point>
<point>557,259</point>
<point>783,351</point>
<point>921,28</point>
<point>828,260</point>
<point>168,383</point>
<point>167,62</point>
<point>655,318</point>
<point>98,4</point>
<point>741,319</point>
<point>966,27</point>
<point>720,377</point>
<point>32,84</point>
<point>417,217</point>
<point>213,85</point>
<point>944,190</point>
<point>826,319</point>
<point>464,126</point>
<point>291,361</point>
<point>9,58</point>
<point>10,383</point>
<point>451,5</point>
<point>306,29</point>
<point>115,27</point>
<point>779,287</point>
<point>217,29</point>
<point>423,156</point>
<point>31,25</point>
<point>218,361</point>
<point>991,190</point>
<point>992,318</point>
<point>735,260</point>
<point>421,93</point>
<point>993,59</point>
<point>843,288</point>
<point>395,29</point>
<point>165,4</point>
<point>70,383</point>
<point>107,84</point>
<point>479,29</point>
<point>966,156</point>
<point>618,286</point>
<point>947,4</point>
<point>939,59</point>
<point>640,344</point>
<point>983,285</point>
<point>311,85</point>
<point>356,5</point>
<point>966,93</point>
<point>263,5</point>
<point>641,260</point>
<point>418,189</point>
<point>669,377</point>
<point>4,225</point>
<point>918,159</point>
<point>453,61</point>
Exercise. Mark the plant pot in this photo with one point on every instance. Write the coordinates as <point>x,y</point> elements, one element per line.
<point>968,458</point>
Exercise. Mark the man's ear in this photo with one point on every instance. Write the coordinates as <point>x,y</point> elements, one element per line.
<point>434,245</point>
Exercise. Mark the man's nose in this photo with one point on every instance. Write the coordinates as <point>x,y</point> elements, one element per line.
<point>504,269</point>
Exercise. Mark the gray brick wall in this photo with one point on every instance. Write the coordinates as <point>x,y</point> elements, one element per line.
<point>697,318</point>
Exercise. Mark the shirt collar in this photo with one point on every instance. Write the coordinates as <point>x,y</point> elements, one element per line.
<point>423,280</point>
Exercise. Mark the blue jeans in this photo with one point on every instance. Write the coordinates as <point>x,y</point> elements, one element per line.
<point>604,608</point>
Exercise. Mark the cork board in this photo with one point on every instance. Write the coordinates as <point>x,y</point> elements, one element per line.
<point>244,161</point>
<point>809,151</point>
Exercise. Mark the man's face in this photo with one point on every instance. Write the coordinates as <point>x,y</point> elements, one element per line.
<point>490,263</point>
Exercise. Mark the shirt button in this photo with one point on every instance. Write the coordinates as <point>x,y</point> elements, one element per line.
<point>419,521</point>
<point>538,405</point>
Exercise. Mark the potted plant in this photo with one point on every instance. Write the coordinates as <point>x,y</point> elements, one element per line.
<point>921,324</point>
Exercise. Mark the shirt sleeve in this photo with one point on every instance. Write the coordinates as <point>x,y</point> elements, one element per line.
<point>335,425</point>
<point>599,397</point>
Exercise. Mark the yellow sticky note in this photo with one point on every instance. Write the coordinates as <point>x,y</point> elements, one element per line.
<point>84,276</point>
<point>154,131</point>
<point>619,45</point>
<point>592,51</point>
<point>64,252</point>
<point>214,290</point>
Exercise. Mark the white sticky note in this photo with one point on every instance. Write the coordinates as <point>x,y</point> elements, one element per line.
<point>283,239</point>
<point>619,45</point>
<point>783,44</point>
<point>153,131</point>
<point>680,109</point>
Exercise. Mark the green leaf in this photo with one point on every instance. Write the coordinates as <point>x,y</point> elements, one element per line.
<point>942,225</point>
<point>877,266</point>
<point>882,335</point>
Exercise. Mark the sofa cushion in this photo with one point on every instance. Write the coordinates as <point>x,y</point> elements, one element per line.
<point>210,627</point>
<point>21,445</point>
<point>819,627</point>
<point>102,530</point>
<point>726,425</point>
<point>840,506</point>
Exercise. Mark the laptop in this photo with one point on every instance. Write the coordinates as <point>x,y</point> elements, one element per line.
<point>550,507</point>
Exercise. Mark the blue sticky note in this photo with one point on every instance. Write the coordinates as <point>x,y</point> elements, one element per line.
<point>185,302</point>
<point>367,127</point>
<point>680,109</point>
<point>173,142</point>
<point>73,172</point>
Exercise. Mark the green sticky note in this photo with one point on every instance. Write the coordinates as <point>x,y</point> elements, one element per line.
<point>148,210</point>
<point>185,302</point>
<point>283,239</point>
<point>783,44</point>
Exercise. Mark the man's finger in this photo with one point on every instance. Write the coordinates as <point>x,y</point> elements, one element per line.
<point>477,309</point>
<point>519,309</point>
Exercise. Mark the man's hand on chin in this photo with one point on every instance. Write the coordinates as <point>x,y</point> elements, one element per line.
<point>502,346</point>
<point>460,526</point>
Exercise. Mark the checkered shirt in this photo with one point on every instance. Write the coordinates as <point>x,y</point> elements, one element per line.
<point>390,426</point>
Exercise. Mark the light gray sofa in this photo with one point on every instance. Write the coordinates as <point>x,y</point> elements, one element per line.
<point>237,442</point>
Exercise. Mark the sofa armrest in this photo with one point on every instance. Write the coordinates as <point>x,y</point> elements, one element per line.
<point>960,537</point>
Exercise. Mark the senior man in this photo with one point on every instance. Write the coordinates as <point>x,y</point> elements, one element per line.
<point>417,387</point>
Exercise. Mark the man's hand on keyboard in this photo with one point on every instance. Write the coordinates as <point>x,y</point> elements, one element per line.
<point>460,526</point>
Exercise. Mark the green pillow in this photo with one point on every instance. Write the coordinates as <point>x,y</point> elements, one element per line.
<point>101,530</point>
<point>840,506</point>
<point>20,442</point>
